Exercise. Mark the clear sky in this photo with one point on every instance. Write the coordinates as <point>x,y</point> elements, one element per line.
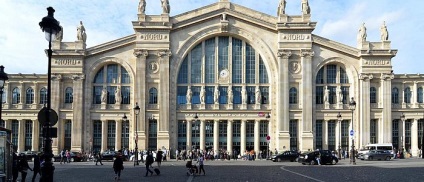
<point>22,42</point>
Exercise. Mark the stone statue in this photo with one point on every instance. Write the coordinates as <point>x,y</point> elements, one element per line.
<point>362,34</point>
<point>104,95</point>
<point>166,8</point>
<point>305,7</point>
<point>59,35</point>
<point>243,95</point>
<point>339,95</point>
<point>384,32</point>
<point>281,8</point>
<point>258,96</point>
<point>216,95</point>
<point>118,97</point>
<point>326,94</point>
<point>142,6</point>
<point>188,95</point>
<point>81,35</point>
<point>230,95</point>
<point>202,95</point>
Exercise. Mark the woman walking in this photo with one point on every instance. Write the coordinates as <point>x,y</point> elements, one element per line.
<point>200,161</point>
<point>118,166</point>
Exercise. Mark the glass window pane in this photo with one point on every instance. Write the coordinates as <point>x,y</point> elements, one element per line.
<point>250,64</point>
<point>210,60</point>
<point>263,73</point>
<point>196,64</point>
<point>237,60</point>
<point>183,74</point>
<point>126,93</point>
<point>223,96</point>
<point>99,76</point>
<point>237,95</point>
<point>331,73</point>
<point>125,77</point>
<point>112,73</point>
<point>223,43</point>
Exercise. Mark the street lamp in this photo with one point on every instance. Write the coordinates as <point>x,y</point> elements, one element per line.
<point>339,118</point>
<point>267,150</point>
<point>50,26</point>
<point>3,78</point>
<point>136,111</point>
<point>352,106</point>
<point>402,118</point>
<point>124,120</point>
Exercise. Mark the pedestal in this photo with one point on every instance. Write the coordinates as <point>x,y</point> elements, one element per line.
<point>257,106</point>
<point>340,105</point>
<point>103,106</point>
<point>327,105</point>
<point>216,106</point>
<point>202,106</point>
<point>243,106</point>
<point>189,106</point>
<point>117,106</point>
<point>230,106</point>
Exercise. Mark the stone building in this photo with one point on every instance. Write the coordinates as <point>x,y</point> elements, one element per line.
<point>220,77</point>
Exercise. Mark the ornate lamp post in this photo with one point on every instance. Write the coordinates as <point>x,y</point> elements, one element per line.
<point>402,118</point>
<point>136,111</point>
<point>124,120</point>
<point>352,106</point>
<point>267,150</point>
<point>340,119</point>
<point>50,27</point>
<point>3,78</point>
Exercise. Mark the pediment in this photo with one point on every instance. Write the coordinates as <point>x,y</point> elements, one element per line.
<point>336,46</point>
<point>216,10</point>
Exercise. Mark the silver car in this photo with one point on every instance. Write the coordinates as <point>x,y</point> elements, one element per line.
<point>378,155</point>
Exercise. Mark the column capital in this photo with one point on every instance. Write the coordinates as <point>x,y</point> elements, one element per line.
<point>307,53</point>
<point>365,77</point>
<point>77,77</point>
<point>57,77</point>
<point>166,53</point>
<point>141,52</point>
<point>284,53</point>
<point>385,76</point>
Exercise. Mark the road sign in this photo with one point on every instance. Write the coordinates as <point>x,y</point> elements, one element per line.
<point>352,133</point>
<point>52,116</point>
<point>268,138</point>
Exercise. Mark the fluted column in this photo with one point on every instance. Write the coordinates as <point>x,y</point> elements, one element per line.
<point>362,128</point>
<point>216,135</point>
<point>325,134</point>
<point>202,134</point>
<point>386,99</point>
<point>104,135</point>
<point>35,135</point>
<point>8,124</point>
<point>282,111</point>
<point>243,136</point>
<point>230,136</point>
<point>21,136</point>
<point>306,101</point>
<point>257,137</point>
<point>118,136</point>
<point>189,135</point>
<point>414,137</point>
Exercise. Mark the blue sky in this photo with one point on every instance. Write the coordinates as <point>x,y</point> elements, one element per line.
<point>22,43</point>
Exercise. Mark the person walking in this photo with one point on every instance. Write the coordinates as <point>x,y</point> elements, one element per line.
<point>68,156</point>
<point>62,156</point>
<point>159,156</point>
<point>118,166</point>
<point>23,167</point>
<point>99,158</point>
<point>15,165</point>
<point>200,161</point>
<point>36,168</point>
<point>149,162</point>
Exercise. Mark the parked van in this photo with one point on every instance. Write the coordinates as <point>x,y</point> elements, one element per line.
<point>376,146</point>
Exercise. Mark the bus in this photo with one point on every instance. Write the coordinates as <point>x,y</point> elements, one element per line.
<point>377,146</point>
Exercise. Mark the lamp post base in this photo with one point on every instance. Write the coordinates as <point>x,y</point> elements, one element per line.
<point>47,170</point>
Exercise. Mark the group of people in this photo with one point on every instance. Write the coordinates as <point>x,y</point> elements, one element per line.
<point>65,156</point>
<point>20,165</point>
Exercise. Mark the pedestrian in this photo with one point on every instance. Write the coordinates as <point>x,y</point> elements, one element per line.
<point>23,167</point>
<point>318,158</point>
<point>200,161</point>
<point>62,156</point>
<point>159,156</point>
<point>36,168</point>
<point>15,170</point>
<point>177,155</point>
<point>118,166</point>
<point>149,162</point>
<point>68,156</point>
<point>99,158</point>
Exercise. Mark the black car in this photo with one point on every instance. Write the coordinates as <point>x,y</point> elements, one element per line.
<point>326,157</point>
<point>109,155</point>
<point>285,156</point>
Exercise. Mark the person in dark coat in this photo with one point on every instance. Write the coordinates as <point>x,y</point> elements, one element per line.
<point>15,170</point>
<point>99,158</point>
<point>23,167</point>
<point>149,162</point>
<point>159,156</point>
<point>118,166</point>
<point>36,168</point>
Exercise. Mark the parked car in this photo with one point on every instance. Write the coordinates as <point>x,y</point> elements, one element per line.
<point>29,155</point>
<point>109,155</point>
<point>285,156</point>
<point>377,155</point>
<point>311,158</point>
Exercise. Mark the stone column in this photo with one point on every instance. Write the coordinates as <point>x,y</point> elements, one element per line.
<point>414,95</point>
<point>104,136</point>
<point>257,137</point>
<point>164,99</point>
<point>56,92</point>
<point>216,135</point>
<point>362,132</point>
<point>21,136</point>
<point>118,136</point>
<point>8,124</point>
<point>140,94</point>
<point>282,110</point>
<point>243,136</point>
<point>78,130</point>
<point>338,135</point>
<point>36,94</point>
<point>189,135</point>
<point>202,134</point>
<point>325,134</point>
<point>306,90</point>
<point>35,135</point>
<point>230,136</point>
<point>414,137</point>
<point>386,99</point>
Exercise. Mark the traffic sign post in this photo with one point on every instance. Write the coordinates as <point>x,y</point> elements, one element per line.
<point>268,138</point>
<point>352,133</point>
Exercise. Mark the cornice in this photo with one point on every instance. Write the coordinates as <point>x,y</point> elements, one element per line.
<point>114,44</point>
<point>335,45</point>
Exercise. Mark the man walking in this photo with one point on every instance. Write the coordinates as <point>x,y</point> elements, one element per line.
<point>200,161</point>
<point>99,158</point>
<point>149,162</point>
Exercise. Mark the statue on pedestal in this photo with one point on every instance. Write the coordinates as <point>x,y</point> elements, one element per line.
<point>118,97</point>
<point>281,8</point>
<point>216,95</point>
<point>142,6</point>
<point>202,95</point>
<point>166,8</point>
<point>188,95</point>
<point>305,7</point>
<point>362,34</point>
<point>384,32</point>
<point>81,35</point>
<point>230,95</point>
<point>104,95</point>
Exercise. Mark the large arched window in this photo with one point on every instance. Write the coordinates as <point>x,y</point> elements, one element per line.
<point>328,82</point>
<point>293,96</point>
<point>43,96</point>
<point>228,62</point>
<point>420,95</point>
<point>395,95</point>
<point>16,96</point>
<point>69,95</point>
<point>407,95</point>
<point>373,95</point>
<point>29,96</point>
<point>153,96</point>
<point>112,77</point>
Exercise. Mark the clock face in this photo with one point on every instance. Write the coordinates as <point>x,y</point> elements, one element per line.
<point>223,73</point>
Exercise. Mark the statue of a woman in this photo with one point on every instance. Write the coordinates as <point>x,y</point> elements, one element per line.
<point>384,32</point>
<point>166,8</point>
<point>305,7</point>
<point>188,95</point>
<point>216,95</point>
<point>202,95</point>
<point>326,94</point>
<point>142,6</point>
<point>81,35</point>
<point>362,34</point>
<point>230,95</point>
<point>118,97</point>
<point>244,95</point>
<point>258,96</point>
<point>281,8</point>
<point>104,95</point>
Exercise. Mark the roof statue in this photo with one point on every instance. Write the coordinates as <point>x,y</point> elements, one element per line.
<point>362,34</point>
<point>81,35</point>
<point>305,7</point>
<point>281,8</point>
<point>384,32</point>
<point>142,6</point>
<point>166,8</point>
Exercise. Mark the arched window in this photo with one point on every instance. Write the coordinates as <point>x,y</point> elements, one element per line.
<point>69,95</point>
<point>407,96</point>
<point>227,60</point>
<point>112,77</point>
<point>327,82</point>
<point>29,96</point>
<point>43,96</point>
<point>16,96</point>
<point>373,95</point>
<point>420,95</point>
<point>293,96</point>
<point>395,96</point>
<point>153,96</point>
